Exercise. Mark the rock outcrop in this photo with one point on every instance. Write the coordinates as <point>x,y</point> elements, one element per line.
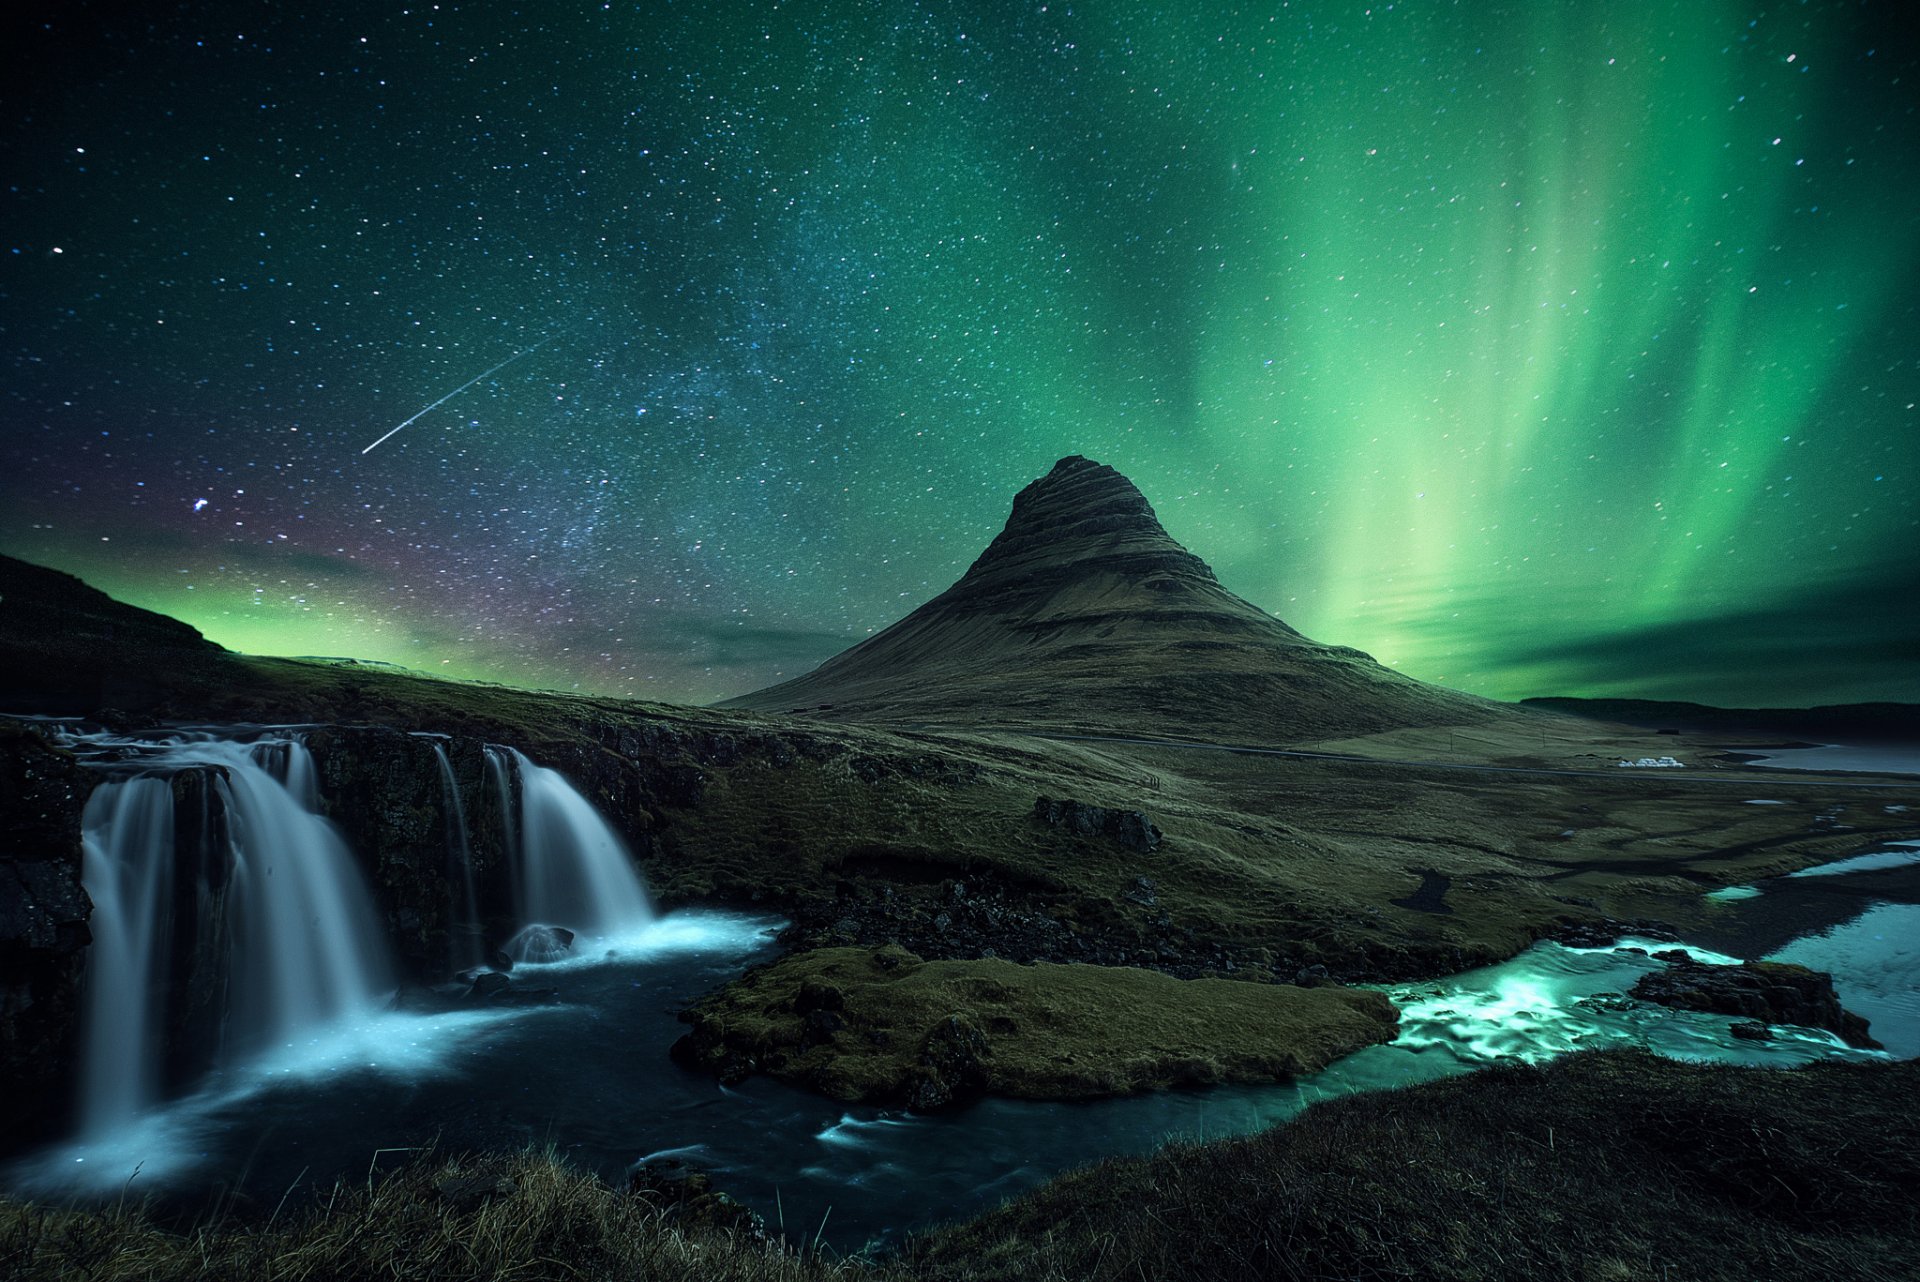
<point>1129,828</point>
<point>886,1025</point>
<point>1766,992</point>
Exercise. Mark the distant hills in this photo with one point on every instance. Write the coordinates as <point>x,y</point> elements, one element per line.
<point>1084,614</point>
<point>1850,722</point>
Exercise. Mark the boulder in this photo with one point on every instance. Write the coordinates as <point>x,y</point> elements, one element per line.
<point>541,944</point>
<point>1765,992</point>
<point>950,1069</point>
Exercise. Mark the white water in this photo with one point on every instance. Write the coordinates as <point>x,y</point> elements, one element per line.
<point>573,869</point>
<point>302,944</point>
<point>127,869</point>
<point>307,947</point>
<point>463,935</point>
<point>1548,1001</point>
<point>408,1055</point>
<point>170,1141</point>
<point>500,773</point>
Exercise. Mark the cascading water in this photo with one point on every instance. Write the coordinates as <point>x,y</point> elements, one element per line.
<point>500,772</point>
<point>307,945</point>
<point>289,940</point>
<point>127,869</point>
<point>463,939</point>
<point>572,870</point>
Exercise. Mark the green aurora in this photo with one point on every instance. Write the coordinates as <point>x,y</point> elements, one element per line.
<point>1535,348</point>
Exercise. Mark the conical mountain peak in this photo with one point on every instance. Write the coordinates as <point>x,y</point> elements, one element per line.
<point>1083,614</point>
<point>1080,517</point>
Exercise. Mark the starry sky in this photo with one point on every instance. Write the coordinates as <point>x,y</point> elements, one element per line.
<point>1533,346</point>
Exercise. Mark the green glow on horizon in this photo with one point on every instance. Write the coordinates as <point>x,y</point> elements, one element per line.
<point>290,626</point>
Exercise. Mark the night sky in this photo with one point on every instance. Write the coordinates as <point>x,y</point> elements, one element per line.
<point>1534,347</point>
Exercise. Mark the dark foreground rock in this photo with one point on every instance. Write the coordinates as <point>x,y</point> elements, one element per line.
<point>1766,992</point>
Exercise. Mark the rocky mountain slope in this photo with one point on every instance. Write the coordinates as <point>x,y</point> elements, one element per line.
<point>1083,614</point>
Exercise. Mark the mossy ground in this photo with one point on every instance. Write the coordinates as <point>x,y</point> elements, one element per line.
<point>522,1217</point>
<point>884,1025</point>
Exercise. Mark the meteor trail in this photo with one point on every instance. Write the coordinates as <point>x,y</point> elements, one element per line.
<point>463,387</point>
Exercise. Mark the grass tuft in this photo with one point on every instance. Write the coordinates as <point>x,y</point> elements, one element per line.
<point>476,1219</point>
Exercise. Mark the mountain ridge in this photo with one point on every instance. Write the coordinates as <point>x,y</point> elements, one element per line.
<point>1084,613</point>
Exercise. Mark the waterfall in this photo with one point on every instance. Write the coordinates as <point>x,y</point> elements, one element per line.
<point>307,946</point>
<point>573,871</point>
<point>463,930</point>
<point>500,771</point>
<point>127,869</point>
<point>286,937</point>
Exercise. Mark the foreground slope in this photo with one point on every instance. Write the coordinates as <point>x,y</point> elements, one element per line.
<point>1083,614</point>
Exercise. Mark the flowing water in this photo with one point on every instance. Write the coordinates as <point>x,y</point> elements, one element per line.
<point>1857,918</point>
<point>283,933</point>
<point>573,871</point>
<point>464,939</point>
<point>307,946</point>
<point>127,866</point>
<point>589,1073</point>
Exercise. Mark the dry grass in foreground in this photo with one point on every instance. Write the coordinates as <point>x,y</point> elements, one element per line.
<point>490,1219</point>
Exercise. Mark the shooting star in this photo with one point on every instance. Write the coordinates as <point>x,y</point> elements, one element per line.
<point>463,387</point>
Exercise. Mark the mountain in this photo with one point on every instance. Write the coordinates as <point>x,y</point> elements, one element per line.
<point>1083,614</point>
<point>65,645</point>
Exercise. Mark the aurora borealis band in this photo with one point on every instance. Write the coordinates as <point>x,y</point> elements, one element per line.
<point>1533,346</point>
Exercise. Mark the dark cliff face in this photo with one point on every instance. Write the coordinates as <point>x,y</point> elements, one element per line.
<point>384,789</point>
<point>1083,614</point>
<point>43,928</point>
